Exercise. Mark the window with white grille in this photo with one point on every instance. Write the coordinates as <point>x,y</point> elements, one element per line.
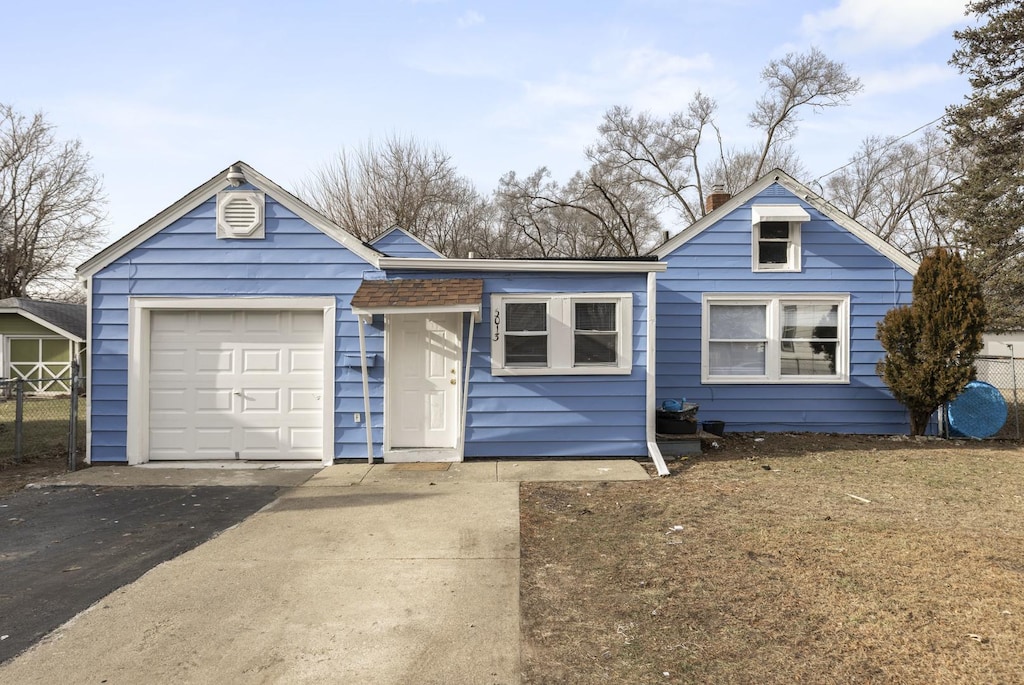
<point>561,334</point>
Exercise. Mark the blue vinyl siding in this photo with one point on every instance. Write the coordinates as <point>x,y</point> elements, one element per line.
<point>718,260</point>
<point>554,416</point>
<point>523,416</point>
<point>397,243</point>
<point>186,260</point>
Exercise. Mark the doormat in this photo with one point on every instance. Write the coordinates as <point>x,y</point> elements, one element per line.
<point>421,466</point>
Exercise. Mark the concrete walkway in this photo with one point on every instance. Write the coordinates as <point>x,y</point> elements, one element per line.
<point>383,574</point>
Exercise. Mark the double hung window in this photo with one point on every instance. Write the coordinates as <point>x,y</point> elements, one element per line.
<point>775,338</point>
<point>536,334</point>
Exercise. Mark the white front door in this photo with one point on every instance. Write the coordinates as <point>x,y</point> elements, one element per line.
<point>423,382</point>
<point>236,384</point>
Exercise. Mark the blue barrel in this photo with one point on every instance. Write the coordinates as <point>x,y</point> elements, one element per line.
<point>978,412</point>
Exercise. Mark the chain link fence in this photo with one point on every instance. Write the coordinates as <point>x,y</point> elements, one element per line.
<point>42,424</point>
<point>1005,373</point>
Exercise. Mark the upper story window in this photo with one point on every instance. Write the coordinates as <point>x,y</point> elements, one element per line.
<point>554,334</point>
<point>776,237</point>
<point>757,338</point>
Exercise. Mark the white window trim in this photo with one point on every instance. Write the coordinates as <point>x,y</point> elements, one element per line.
<point>561,334</point>
<point>773,302</point>
<point>795,215</point>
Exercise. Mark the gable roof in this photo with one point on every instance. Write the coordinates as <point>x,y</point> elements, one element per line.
<point>804,193</point>
<point>64,318</point>
<point>202,194</point>
<point>407,234</point>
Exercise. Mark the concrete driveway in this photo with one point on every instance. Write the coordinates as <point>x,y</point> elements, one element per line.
<point>389,574</point>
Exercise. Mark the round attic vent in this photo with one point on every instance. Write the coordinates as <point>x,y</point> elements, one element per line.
<point>239,215</point>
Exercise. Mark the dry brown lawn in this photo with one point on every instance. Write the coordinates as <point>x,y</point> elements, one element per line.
<point>789,559</point>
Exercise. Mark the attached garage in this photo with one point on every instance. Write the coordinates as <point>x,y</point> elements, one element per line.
<point>219,383</point>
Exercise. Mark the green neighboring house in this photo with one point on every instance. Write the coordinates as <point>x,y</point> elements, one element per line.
<point>38,340</point>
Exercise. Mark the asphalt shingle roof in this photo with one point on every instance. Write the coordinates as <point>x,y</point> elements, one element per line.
<point>418,292</point>
<point>64,315</point>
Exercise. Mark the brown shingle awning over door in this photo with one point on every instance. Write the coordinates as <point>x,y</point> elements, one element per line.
<point>411,295</point>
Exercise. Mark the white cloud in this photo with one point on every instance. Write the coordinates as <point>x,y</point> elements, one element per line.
<point>643,78</point>
<point>470,18</point>
<point>559,112</point>
<point>870,24</point>
<point>906,78</point>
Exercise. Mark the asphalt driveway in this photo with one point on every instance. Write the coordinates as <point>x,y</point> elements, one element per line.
<point>389,574</point>
<point>64,548</point>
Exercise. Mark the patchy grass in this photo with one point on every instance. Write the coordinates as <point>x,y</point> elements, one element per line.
<point>45,429</point>
<point>761,562</point>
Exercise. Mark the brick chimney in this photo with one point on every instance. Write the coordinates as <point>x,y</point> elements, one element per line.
<point>717,198</point>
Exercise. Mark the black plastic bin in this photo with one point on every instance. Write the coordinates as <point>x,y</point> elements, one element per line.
<point>677,422</point>
<point>714,427</point>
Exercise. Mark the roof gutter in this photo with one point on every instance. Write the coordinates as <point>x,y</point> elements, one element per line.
<point>541,265</point>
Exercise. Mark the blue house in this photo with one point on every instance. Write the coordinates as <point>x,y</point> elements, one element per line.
<point>767,314</point>
<point>398,242</point>
<point>241,324</point>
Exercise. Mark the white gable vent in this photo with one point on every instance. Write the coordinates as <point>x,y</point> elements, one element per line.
<point>240,214</point>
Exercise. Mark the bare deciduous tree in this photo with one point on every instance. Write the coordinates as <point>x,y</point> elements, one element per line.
<point>643,166</point>
<point>895,188</point>
<point>400,182</point>
<point>795,82</point>
<point>594,214</point>
<point>660,153</point>
<point>51,206</point>
<point>736,168</point>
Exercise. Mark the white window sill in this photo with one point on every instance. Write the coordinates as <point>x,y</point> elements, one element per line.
<point>761,380</point>
<point>573,371</point>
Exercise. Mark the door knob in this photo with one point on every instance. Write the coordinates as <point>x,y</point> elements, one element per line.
<point>452,381</point>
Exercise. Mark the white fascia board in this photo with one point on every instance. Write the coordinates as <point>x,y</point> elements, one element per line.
<point>475,310</point>
<point>315,218</point>
<point>779,176</point>
<point>202,194</point>
<point>536,265</point>
<point>872,239</point>
<point>42,322</point>
<point>408,234</point>
<point>711,218</point>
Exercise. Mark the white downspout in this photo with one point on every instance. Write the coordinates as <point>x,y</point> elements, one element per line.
<point>652,441</point>
<point>366,392</point>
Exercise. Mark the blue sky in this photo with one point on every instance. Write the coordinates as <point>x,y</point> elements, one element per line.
<point>164,95</point>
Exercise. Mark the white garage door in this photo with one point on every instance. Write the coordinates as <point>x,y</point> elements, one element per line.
<point>236,385</point>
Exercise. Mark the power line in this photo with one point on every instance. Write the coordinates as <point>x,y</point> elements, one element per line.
<point>889,144</point>
<point>984,92</point>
